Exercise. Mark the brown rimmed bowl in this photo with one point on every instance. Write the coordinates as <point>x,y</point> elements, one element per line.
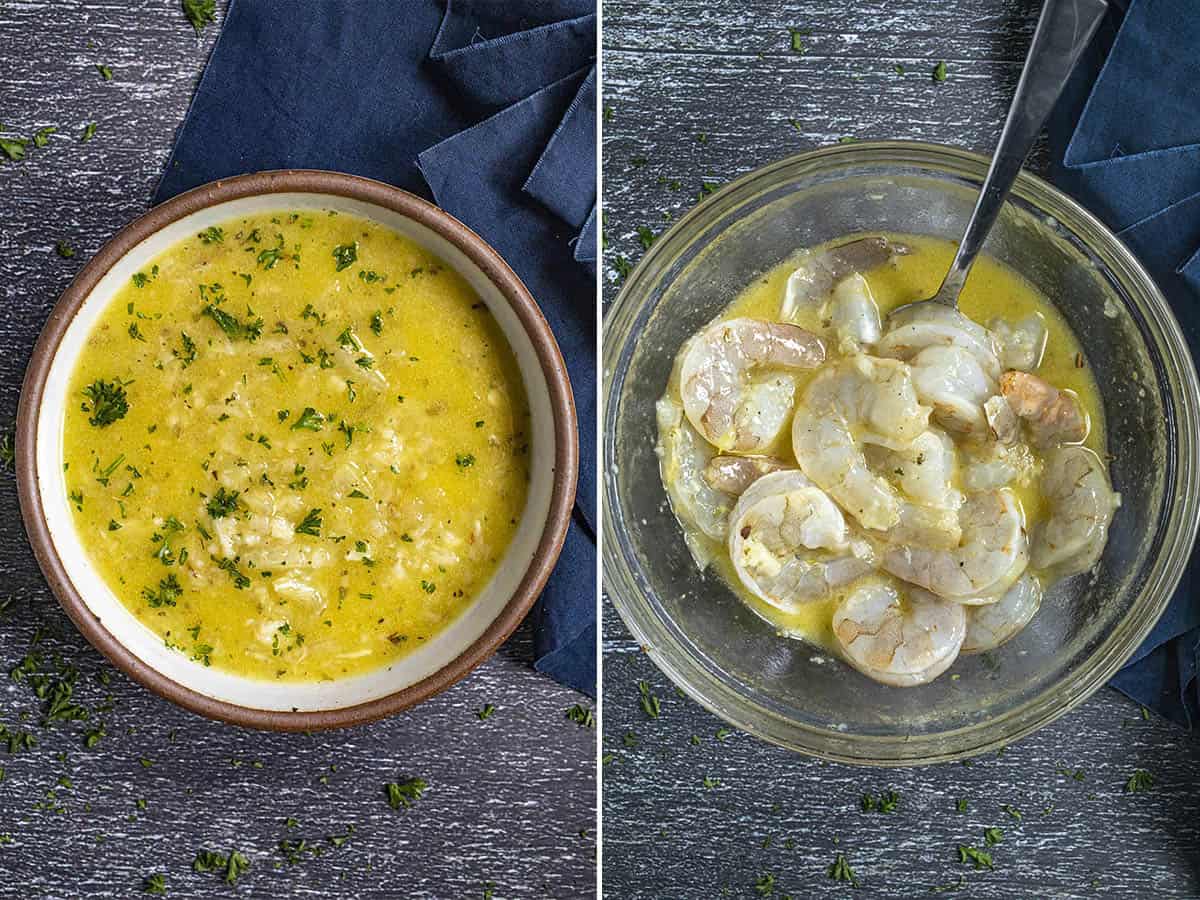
<point>134,648</point>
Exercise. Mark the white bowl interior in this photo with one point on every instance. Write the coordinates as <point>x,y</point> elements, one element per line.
<point>261,694</point>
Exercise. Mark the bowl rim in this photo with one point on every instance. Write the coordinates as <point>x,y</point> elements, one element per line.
<point>1183,412</point>
<point>494,268</point>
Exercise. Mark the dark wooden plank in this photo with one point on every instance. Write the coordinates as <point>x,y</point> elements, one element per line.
<point>508,797</point>
<point>673,71</point>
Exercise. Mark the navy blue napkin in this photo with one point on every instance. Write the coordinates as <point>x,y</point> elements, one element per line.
<point>486,108</point>
<point>1126,142</point>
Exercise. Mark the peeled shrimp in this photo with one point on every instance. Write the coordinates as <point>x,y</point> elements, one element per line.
<point>901,640</point>
<point>1053,416</point>
<point>719,398</point>
<point>1081,505</point>
<point>990,625</point>
<point>819,270</point>
<point>789,542</point>
<point>1003,424</point>
<point>991,555</point>
<point>925,471</point>
<point>953,382</point>
<point>733,474</point>
<point>913,328</point>
<point>683,457</point>
<point>1020,344</point>
<point>996,465</point>
<point>859,400</point>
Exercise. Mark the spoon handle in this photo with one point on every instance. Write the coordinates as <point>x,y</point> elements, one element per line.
<point>1063,31</point>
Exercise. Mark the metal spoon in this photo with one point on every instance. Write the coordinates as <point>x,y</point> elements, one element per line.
<point>1063,31</point>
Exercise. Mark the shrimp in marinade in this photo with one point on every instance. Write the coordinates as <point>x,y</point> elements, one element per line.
<point>790,544</point>
<point>991,556</point>
<point>991,624</point>
<point>857,401</point>
<point>720,396</point>
<point>1082,503</point>
<point>902,638</point>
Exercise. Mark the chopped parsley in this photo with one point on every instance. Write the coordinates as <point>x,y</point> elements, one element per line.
<point>89,131</point>
<point>649,703</point>
<point>884,803</point>
<point>981,859</point>
<point>155,884</point>
<point>167,593</point>
<point>464,460</point>
<point>232,866</point>
<point>105,72</point>
<point>993,836</point>
<point>377,323</point>
<point>345,255</point>
<point>939,72</point>
<point>106,401</point>
<point>309,420</point>
<point>405,793</point>
<point>581,716</point>
<point>240,581</point>
<point>234,328</point>
<point>796,35</point>
<point>839,870</point>
<point>222,503</point>
<point>311,524</point>
<point>486,712</point>
<point>13,148</point>
<point>1140,780</point>
<point>212,235</point>
<point>200,13</point>
<point>41,137</point>
<point>187,355</point>
<point>63,249</point>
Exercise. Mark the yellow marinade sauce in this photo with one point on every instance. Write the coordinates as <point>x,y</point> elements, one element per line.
<point>297,446</point>
<point>992,290</point>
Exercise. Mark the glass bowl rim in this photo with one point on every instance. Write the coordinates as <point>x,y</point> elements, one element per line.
<point>1177,380</point>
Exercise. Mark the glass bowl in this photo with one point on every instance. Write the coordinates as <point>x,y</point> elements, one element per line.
<point>792,693</point>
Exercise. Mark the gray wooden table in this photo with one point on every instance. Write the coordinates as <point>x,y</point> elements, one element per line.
<point>774,822</point>
<point>511,799</point>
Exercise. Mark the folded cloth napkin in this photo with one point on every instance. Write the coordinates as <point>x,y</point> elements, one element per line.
<point>488,109</point>
<point>1125,141</point>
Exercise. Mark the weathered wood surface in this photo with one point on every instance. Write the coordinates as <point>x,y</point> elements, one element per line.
<point>676,69</point>
<point>508,797</point>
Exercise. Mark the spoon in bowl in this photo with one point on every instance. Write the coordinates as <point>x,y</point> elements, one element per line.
<point>1063,31</point>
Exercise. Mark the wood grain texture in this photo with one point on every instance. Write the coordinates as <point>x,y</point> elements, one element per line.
<point>511,800</point>
<point>674,71</point>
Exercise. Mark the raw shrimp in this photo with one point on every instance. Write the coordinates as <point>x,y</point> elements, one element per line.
<point>733,474</point>
<point>990,625</point>
<point>1003,424</point>
<point>913,328</point>
<point>995,465</point>
<point>683,456</point>
<point>901,640</point>
<point>924,470</point>
<point>992,554</point>
<point>1081,504</point>
<point>859,400</point>
<point>819,270</point>
<point>953,382</point>
<point>1053,416</point>
<point>1020,344</point>
<point>925,473</point>
<point>789,543</point>
<point>853,313</point>
<point>719,398</point>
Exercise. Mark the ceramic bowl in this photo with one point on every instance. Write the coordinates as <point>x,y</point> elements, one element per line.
<point>133,647</point>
